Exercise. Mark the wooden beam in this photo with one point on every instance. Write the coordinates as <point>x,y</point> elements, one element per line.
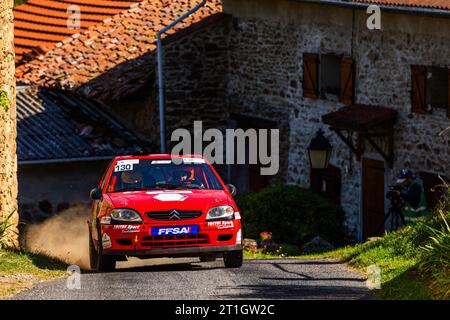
<point>356,150</point>
<point>388,157</point>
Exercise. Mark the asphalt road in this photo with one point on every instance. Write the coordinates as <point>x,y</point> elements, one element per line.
<point>190,279</point>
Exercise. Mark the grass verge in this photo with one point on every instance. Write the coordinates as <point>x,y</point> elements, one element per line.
<point>400,275</point>
<point>400,255</point>
<point>19,270</point>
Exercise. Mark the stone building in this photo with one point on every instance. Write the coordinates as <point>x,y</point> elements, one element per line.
<point>381,96</point>
<point>8,165</point>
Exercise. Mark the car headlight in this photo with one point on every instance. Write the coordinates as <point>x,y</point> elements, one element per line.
<point>125,215</point>
<point>221,212</point>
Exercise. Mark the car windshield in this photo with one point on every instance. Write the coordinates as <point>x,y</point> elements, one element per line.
<point>145,174</point>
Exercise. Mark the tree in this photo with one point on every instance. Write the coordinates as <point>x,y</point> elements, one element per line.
<point>8,158</point>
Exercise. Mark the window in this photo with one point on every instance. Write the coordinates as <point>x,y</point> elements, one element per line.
<point>429,89</point>
<point>328,76</point>
<point>437,88</point>
<point>150,174</point>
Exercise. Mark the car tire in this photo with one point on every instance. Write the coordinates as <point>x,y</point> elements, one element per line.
<point>93,254</point>
<point>97,260</point>
<point>233,259</point>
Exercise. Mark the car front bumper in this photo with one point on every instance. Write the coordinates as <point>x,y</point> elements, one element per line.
<point>137,240</point>
<point>175,252</point>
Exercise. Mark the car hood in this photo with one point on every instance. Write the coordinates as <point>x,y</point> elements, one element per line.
<point>144,201</point>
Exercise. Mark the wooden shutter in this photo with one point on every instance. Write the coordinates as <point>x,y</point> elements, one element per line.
<point>418,89</point>
<point>311,75</point>
<point>347,81</point>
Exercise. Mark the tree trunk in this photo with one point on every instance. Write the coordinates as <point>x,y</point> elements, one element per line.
<point>8,159</point>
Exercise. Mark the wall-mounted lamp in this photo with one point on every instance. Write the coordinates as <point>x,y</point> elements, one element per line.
<point>319,151</point>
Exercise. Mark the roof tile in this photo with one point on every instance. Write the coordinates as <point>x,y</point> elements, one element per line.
<point>53,124</point>
<point>114,48</point>
<point>42,23</point>
<point>431,4</point>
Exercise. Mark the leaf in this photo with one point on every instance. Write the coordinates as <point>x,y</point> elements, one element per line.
<point>4,100</point>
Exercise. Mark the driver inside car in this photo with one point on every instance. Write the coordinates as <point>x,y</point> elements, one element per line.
<point>181,177</point>
<point>186,177</point>
<point>132,179</point>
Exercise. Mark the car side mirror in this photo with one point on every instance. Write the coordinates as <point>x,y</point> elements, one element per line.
<point>96,194</point>
<point>232,189</point>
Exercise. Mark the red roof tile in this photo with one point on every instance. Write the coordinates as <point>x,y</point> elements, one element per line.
<point>431,4</point>
<point>39,24</point>
<point>123,47</point>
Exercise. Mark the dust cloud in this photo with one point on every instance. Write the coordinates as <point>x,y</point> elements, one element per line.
<point>64,236</point>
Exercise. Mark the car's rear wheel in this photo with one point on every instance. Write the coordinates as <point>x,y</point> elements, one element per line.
<point>233,259</point>
<point>97,260</point>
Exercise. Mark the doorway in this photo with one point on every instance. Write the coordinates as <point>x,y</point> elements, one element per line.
<point>247,177</point>
<point>373,190</point>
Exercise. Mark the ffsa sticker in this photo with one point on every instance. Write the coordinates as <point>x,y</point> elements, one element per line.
<point>125,165</point>
<point>166,231</point>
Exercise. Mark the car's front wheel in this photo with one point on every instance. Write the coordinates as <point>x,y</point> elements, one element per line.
<point>233,259</point>
<point>97,260</point>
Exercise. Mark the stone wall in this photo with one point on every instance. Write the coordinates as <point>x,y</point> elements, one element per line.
<point>47,189</point>
<point>8,165</point>
<point>197,66</point>
<point>138,112</point>
<point>196,75</point>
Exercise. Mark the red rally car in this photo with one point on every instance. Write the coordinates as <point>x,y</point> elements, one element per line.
<point>163,206</point>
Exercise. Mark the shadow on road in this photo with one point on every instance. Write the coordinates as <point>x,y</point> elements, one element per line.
<point>170,267</point>
<point>302,276</point>
<point>313,279</point>
<point>292,262</point>
<point>276,291</point>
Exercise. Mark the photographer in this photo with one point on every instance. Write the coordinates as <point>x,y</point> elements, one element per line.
<point>413,194</point>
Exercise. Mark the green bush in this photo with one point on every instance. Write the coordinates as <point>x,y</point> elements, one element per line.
<point>294,215</point>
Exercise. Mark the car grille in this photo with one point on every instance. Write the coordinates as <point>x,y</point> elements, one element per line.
<point>173,215</point>
<point>171,241</point>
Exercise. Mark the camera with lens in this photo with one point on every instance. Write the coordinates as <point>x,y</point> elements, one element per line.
<point>394,195</point>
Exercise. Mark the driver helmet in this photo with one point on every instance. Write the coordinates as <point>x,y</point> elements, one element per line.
<point>403,175</point>
<point>181,175</point>
<point>132,177</point>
